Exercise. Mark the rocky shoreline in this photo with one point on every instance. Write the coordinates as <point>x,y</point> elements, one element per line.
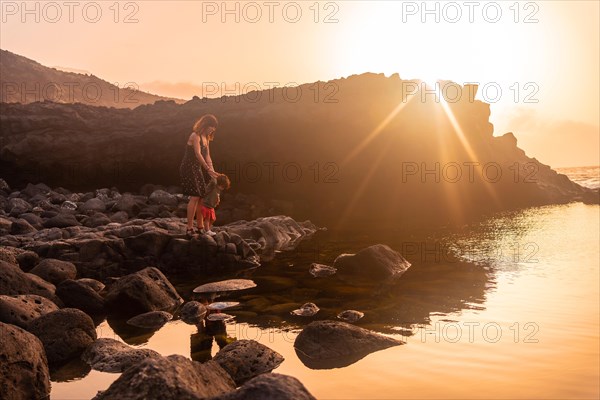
<point>105,233</point>
<point>70,260</point>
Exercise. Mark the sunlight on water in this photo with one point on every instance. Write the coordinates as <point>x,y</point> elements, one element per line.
<point>523,323</point>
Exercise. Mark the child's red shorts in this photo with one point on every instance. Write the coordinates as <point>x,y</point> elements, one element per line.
<point>208,213</point>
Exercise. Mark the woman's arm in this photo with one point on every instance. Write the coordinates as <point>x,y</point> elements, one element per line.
<point>208,158</point>
<point>203,163</point>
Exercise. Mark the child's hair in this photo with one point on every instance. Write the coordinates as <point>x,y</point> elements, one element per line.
<point>223,180</point>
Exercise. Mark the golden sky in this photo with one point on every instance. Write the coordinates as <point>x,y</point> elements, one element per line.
<point>543,55</point>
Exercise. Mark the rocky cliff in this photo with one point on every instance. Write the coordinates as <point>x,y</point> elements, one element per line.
<point>27,81</point>
<point>367,147</point>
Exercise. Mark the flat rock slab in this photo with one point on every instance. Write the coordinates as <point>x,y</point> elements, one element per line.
<point>245,359</point>
<point>21,309</point>
<point>110,355</point>
<point>169,378</point>
<point>229,285</point>
<point>219,317</point>
<point>222,305</point>
<point>336,344</point>
<point>321,270</point>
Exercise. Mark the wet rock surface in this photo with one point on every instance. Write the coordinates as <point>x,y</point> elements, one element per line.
<point>169,378</point>
<point>24,373</point>
<point>104,252</point>
<point>65,334</point>
<point>374,262</point>
<point>192,312</point>
<point>20,310</point>
<point>334,344</point>
<point>269,387</point>
<point>14,281</point>
<point>55,271</point>
<point>143,291</point>
<point>110,355</point>
<point>105,233</point>
<point>76,294</point>
<point>245,359</point>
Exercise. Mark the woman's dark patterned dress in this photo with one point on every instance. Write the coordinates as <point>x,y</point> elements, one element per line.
<point>194,178</point>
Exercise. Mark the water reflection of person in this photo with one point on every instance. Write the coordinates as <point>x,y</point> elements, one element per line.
<point>201,342</point>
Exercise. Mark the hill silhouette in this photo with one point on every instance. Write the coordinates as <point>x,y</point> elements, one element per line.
<point>367,148</point>
<point>26,81</point>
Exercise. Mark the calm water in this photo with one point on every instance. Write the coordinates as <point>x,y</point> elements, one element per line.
<point>504,308</point>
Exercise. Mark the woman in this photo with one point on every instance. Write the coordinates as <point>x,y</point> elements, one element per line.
<point>196,168</point>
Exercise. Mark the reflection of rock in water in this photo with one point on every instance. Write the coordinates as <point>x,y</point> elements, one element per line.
<point>130,334</point>
<point>201,342</point>
<point>425,288</point>
<point>73,370</point>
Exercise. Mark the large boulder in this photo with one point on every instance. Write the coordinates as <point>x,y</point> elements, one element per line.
<point>14,281</point>
<point>27,260</point>
<point>9,254</point>
<point>65,333</point>
<point>169,378</point>
<point>270,387</point>
<point>62,220</point>
<point>21,309</point>
<point>18,206</point>
<point>96,220</point>
<point>128,203</point>
<point>162,197</point>
<point>93,204</point>
<point>335,344</point>
<point>76,294</point>
<point>374,262</point>
<point>55,271</point>
<point>21,227</point>
<point>245,359</point>
<point>24,369</point>
<point>143,291</point>
<point>110,355</point>
<point>151,242</point>
<point>279,232</point>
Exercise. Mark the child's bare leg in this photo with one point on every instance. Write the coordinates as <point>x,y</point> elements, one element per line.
<point>210,224</point>
<point>206,224</point>
<point>199,218</point>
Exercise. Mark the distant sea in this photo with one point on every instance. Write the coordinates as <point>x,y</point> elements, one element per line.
<point>585,176</point>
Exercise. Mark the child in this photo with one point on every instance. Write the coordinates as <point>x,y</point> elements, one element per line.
<point>211,200</point>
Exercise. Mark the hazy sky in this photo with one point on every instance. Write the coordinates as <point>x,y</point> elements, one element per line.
<point>542,55</point>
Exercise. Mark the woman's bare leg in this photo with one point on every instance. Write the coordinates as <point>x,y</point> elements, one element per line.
<point>191,210</point>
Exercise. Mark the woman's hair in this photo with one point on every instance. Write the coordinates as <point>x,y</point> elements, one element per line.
<point>206,121</point>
